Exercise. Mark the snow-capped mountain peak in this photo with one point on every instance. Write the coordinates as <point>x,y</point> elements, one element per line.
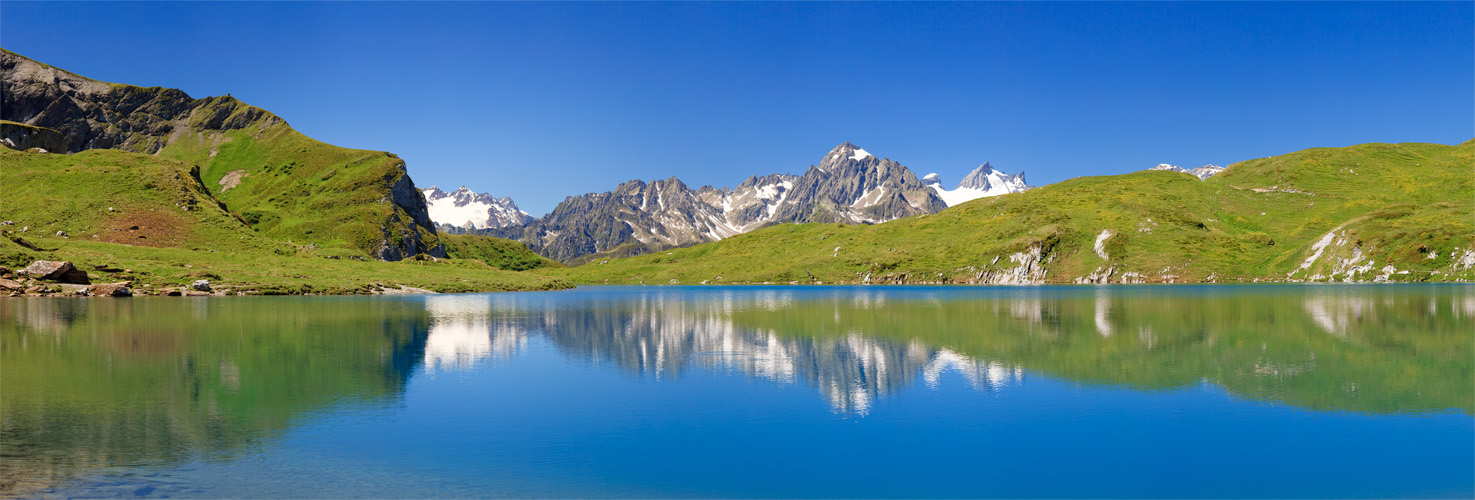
<point>982,182</point>
<point>1202,173</point>
<point>845,152</point>
<point>466,209</point>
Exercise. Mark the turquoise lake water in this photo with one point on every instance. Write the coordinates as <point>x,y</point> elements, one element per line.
<point>741,392</point>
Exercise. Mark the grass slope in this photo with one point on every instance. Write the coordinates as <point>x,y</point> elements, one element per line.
<point>292,187</point>
<point>496,252</point>
<point>1405,206</point>
<point>286,185</point>
<point>139,218</point>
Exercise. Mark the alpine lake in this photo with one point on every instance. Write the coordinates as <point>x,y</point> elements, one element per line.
<point>741,392</point>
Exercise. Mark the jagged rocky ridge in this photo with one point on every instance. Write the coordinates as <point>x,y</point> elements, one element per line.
<point>291,187</point>
<point>982,182</point>
<point>848,186</point>
<point>463,210</point>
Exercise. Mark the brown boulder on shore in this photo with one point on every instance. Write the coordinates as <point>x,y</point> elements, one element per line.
<point>53,270</point>
<point>119,289</point>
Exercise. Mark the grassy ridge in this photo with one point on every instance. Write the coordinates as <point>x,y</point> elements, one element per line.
<point>281,182</point>
<point>139,218</point>
<point>292,187</point>
<point>1257,221</point>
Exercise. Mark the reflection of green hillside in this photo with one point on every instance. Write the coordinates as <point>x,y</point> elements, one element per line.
<point>90,383</point>
<point>1363,349</point>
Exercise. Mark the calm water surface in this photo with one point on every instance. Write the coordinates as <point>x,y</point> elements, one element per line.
<point>1164,391</point>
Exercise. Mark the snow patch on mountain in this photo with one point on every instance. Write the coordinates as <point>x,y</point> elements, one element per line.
<point>982,182</point>
<point>1202,173</point>
<point>469,210</point>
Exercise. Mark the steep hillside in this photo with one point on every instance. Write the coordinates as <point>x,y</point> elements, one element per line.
<point>284,184</point>
<point>849,185</point>
<point>1373,212</point>
<point>115,196</point>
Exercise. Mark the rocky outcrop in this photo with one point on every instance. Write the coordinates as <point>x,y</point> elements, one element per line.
<point>119,289</point>
<point>23,137</point>
<point>51,270</point>
<point>90,114</point>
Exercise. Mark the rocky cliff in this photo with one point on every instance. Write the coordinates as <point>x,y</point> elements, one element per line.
<point>283,183</point>
<point>23,137</point>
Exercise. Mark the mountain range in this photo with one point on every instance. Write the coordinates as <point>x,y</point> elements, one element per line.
<point>1371,212</point>
<point>146,181</point>
<point>849,186</point>
<point>1203,172</point>
<point>982,182</point>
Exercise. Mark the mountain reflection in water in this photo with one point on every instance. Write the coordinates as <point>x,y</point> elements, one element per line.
<point>90,385</point>
<point>662,335</point>
<point>1378,350</point>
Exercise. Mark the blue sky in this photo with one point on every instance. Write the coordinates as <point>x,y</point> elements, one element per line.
<point>544,100</point>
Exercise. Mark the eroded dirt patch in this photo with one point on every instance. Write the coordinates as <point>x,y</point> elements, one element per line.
<point>148,228</point>
<point>231,179</point>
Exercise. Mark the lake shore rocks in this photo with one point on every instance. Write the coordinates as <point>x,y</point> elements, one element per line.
<point>52,270</point>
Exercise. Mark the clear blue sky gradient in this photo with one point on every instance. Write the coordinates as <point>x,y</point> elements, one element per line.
<point>545,100</point>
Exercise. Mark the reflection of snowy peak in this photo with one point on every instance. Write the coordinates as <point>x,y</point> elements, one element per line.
<point>463,209</point>
<point>1203,172</point>
<point>981,182</point>
<point>665,336</point>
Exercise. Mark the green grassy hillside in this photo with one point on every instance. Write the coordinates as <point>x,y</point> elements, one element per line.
<point>133,217</point>
<point>290,186</point>
<point>496,252</point>
<point>115,196</point>
<point>1396,212</point>
<point>284,184</point>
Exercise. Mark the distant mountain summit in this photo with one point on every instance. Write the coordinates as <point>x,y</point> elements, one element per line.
<point>464,210</point>
<point>850,185</point>
<point>1203,172</point>
<point>982,182</point>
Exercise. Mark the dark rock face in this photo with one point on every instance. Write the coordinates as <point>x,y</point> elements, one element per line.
<point>24,137</point>
<point>852,186</point>
<point>848,186</point>
<point>661,214</point>
<point>96,115</point>
<point>52,270</point>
